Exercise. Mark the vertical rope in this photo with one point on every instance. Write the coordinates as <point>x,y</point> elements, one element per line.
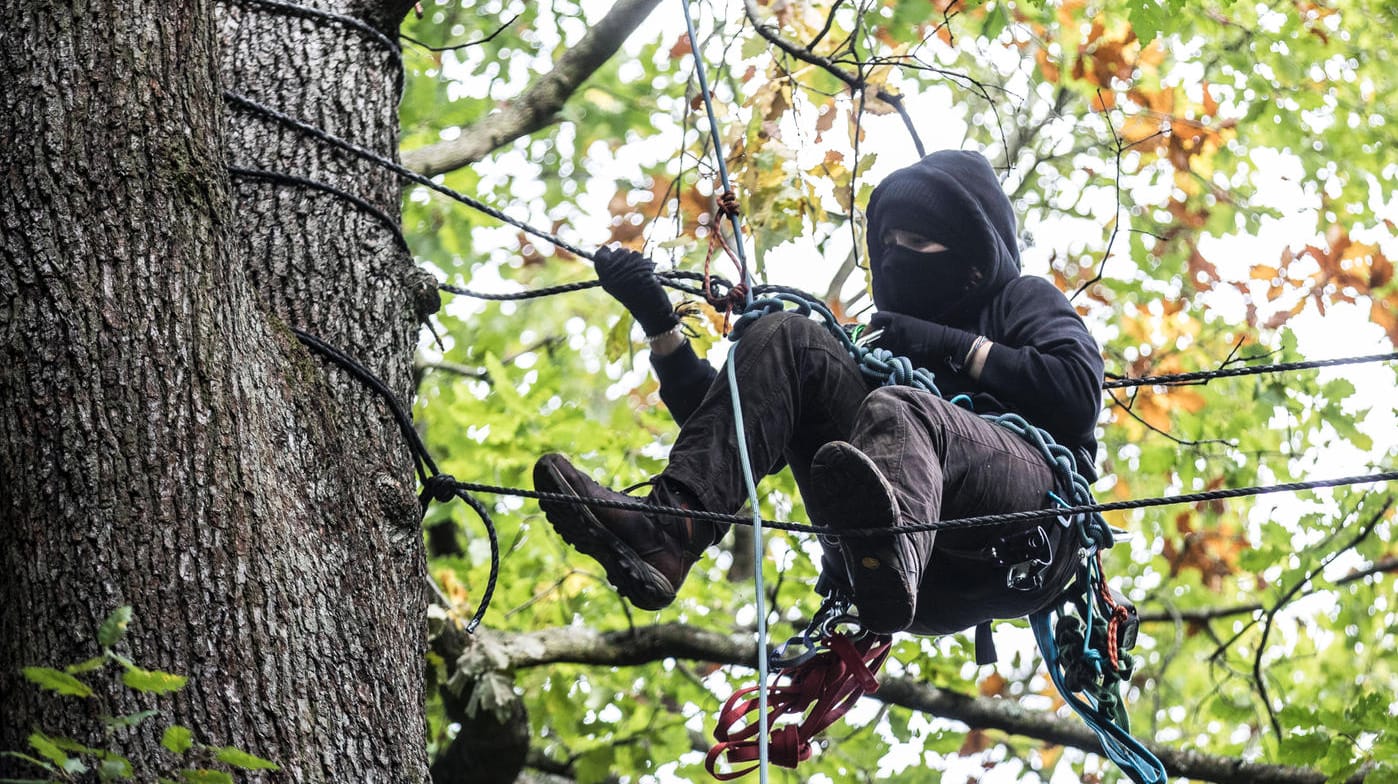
<point>758,549</point>
<point>718,144</point>
<point>758,557</point>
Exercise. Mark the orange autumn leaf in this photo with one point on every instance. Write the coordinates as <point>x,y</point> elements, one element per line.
<point>1210,105</point>
<point>1380,270</point>
<point>1048,68</point>
<point>680,47</point>
<point>1213,552</point>
<point>976,742</point>
<point>1384,312</point>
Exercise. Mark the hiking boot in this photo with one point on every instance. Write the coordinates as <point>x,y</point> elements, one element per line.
<point>646,556</point>
<point>847,491</point>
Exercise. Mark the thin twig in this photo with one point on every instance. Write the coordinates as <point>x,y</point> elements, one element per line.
<point>1127,407</point>
<point>1116,216</point>
<point>453,47</point>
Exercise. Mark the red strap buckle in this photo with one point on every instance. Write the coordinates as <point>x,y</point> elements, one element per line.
<point>820,690</point>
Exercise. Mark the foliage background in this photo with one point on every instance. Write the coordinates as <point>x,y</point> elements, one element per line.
<point>1212,180</point>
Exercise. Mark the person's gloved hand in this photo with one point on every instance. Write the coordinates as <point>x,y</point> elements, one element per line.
<point>630,278</point>
<point>921,341</point>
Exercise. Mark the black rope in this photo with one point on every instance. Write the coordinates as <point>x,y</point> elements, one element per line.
<point>546,291</point>
<point>937,525</point>
<point>1205,375</point>
<point>316,14</point>
<point>436,486</point>
<point>673,277</point>
<point>291,179</point>
<point>425,465</point>
<point>243,102</point>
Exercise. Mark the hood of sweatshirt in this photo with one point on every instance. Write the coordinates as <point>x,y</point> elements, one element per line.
<point>951,197</point>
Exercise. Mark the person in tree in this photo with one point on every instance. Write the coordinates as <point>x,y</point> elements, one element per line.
<point>946,282</point>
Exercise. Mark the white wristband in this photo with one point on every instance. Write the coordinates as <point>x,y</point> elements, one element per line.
<point>666,342</point>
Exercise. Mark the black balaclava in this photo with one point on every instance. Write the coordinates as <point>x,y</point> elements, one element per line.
<point>951,197</point>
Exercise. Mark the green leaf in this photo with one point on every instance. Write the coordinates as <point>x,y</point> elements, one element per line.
<point>114,627</point>
<point>95,663</point>
<point>205,776</point>
<point>129,720</point>
<point>72,746</point>
<point>177,739</point>
<point>501,384</point>
<point>58,681</point>
<point>153,681</point>
<point>49,749</point>
<point>31,760</point>
<point>114,766</point>
<point>1304,749</point>
<point>241,759</point>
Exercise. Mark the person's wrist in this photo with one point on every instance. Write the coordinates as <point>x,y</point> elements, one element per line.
<point>667,342</point>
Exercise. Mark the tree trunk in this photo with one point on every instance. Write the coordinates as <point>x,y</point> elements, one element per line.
<point>164,441</point>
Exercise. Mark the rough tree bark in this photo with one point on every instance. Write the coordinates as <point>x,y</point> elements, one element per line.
<point>164,441</point>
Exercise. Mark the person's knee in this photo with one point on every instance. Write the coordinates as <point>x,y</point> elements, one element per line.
<point>784,326</point>
<point>885,402</point>
<point>913,407</point>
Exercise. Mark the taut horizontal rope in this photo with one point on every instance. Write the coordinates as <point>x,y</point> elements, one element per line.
<point>961,522</point>
<point>670,279</point>
<point>1205,375</point>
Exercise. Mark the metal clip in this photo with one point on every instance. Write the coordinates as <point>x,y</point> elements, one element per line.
<point>1026,576</point>
<point>1026,556</point>
<point>1027,546</point>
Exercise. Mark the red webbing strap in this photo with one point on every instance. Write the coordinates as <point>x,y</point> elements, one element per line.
<point>829,684</point>
<point>1118,615</point>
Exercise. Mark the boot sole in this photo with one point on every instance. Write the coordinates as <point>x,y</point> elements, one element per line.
<point>840,499</point>
<point>633,578</point>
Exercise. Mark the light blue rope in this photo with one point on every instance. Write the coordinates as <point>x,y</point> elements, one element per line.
<point>718,148</point>
<point>758,557</point>
<point>758,550</point>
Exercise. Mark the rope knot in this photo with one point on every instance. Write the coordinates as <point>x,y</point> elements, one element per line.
<point>439,487</point>
<point>735,298</point>
<point>728,204</point>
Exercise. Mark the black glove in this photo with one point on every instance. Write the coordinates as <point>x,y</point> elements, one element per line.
<point>630,278</point>
<point>924,342</point>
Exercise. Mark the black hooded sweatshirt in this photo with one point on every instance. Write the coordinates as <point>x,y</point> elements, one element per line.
<point>1043,364</point>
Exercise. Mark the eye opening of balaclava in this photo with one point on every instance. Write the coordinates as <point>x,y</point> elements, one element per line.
<point>941,237</point>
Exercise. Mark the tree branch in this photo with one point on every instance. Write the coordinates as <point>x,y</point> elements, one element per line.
<point>1258,676</point>
<point>538,105</point>
<point>575,645</point>
<point>854,82</point>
